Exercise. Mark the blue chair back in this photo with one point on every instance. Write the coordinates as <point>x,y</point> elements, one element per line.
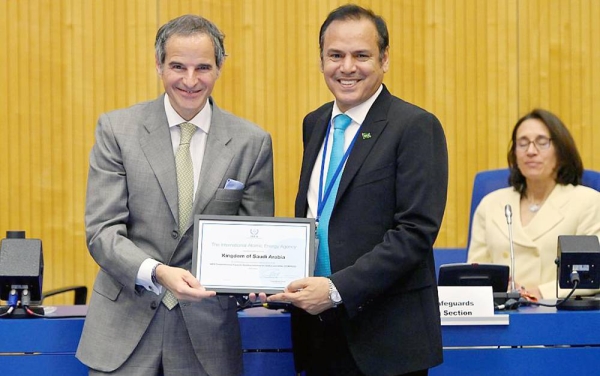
<point>591,179</point>
<point>484,183</point>
<point>491,180</point>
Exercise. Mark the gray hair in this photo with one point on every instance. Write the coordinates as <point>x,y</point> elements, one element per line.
<point>189,25</point>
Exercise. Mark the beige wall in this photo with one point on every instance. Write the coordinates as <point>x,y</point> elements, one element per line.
<point>477,64</point>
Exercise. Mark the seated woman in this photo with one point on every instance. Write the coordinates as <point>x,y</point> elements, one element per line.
<point>547,200</point>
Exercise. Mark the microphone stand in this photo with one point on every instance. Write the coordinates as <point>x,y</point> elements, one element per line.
<point>509,300</point>
<point>508,214</point>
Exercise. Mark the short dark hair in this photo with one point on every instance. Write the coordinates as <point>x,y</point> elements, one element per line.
<point>189,24</point>
<point>569,165</point>
<point>355,12</point>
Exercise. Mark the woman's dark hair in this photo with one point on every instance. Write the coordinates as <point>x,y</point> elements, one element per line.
<point>569,167</point>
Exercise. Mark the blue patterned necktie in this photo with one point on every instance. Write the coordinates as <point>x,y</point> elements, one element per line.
<point>340,123</point>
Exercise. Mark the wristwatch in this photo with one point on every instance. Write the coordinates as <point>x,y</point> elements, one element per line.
<point>334,295</point>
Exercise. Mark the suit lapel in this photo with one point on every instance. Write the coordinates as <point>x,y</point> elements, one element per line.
<point>542,223</point>
<point>158,149</point>
<point>549,215</point>
<point>373,126</point>
<point>499,220</point>
<point>216,160</point>
<point>311,152</point>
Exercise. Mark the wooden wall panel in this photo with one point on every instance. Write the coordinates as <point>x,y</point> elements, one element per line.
<point>559,64</point>
<point>477,64</point>
<point>62,63</point>
<point>263,78</point>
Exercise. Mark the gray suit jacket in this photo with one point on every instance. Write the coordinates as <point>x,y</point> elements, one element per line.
<point>132,214</point>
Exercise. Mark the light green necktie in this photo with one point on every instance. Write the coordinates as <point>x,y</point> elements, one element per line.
<point>185,175</point>
<point>185,187</point>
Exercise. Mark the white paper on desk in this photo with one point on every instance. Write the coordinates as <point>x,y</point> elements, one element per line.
<point>466,301</point>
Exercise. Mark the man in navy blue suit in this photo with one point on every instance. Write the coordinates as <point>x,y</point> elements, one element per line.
<point>372,307</point>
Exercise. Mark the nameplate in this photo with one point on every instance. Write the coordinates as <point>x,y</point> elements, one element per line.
<point>468,305</point>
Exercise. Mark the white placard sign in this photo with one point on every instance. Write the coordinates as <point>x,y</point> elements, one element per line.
<point>468,305</point>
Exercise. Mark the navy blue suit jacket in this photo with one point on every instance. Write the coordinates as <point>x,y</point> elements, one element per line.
<point>386,217</point>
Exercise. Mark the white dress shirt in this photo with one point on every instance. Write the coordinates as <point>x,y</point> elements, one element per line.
<point>197,147</point>
<point>358,115</point>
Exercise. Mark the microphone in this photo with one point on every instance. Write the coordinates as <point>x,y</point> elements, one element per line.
<point>508,214</point>
<point>512,299</point>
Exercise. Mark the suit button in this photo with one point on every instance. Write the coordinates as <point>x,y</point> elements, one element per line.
<point>174,234</point>
<point>153,305</point>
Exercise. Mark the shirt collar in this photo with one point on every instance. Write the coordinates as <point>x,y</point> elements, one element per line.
<point>201,120</point>
<point>358,113</point>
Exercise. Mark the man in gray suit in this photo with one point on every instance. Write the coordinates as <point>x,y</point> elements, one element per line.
<point>137,233</point>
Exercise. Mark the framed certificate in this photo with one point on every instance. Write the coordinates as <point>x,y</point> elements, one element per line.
<point>240,255</point>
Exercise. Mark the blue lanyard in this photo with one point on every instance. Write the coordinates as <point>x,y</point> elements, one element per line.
<point>323,199</point>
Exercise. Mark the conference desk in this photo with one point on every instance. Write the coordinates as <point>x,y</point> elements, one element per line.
<point>42,346</point>
<point>537,341</point>
<point>47,346</point>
